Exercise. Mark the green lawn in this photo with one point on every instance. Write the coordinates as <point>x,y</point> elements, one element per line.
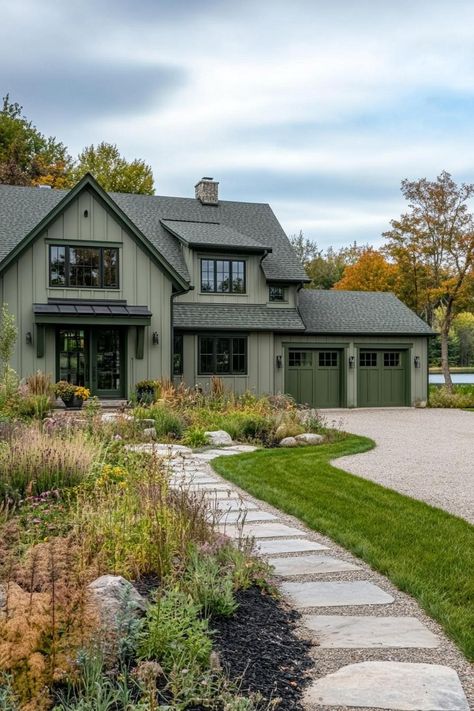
<point>424,551</point>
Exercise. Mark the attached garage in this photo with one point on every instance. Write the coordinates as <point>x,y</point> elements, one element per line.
<point>315,376</point>
<point>383,378</point>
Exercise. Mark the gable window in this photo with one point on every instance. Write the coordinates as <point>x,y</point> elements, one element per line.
<point>222,355</point>
<point>84,267</point>
<point>276,293</point>
<point>223,276</point>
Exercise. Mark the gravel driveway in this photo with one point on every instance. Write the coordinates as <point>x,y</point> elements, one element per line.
<point>427,454</point>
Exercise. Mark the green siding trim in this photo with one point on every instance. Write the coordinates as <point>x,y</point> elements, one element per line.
<point>58,241</point>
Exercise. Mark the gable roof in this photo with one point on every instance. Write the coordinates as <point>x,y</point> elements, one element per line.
<point>235,317</point>
<point>212,234</point>
<point>358,312</point>
<point>24,209</point>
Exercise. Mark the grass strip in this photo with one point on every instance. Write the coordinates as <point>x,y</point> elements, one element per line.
<point>423,550</point>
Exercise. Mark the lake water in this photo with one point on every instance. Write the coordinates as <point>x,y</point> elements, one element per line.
<point>438,378</point>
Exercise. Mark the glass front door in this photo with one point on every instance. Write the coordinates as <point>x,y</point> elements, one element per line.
<point>93,357</point>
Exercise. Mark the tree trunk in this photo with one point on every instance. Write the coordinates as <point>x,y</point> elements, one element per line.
<point>444,355</point>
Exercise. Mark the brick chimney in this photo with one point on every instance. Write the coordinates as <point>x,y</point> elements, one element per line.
<point>207,191</point>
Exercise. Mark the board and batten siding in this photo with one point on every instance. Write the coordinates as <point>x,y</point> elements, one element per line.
<point>256,284</point>
<point>417,346</point>
<point>142,282</point>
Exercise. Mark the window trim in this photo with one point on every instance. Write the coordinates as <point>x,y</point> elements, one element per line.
<point>67,285</point>
<point>214,337</point>
<point>231,262</point>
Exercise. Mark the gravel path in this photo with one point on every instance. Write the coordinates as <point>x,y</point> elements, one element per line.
<point>427,454</point>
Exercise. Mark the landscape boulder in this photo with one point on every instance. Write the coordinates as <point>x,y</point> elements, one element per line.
<point>219,438</point>
<point>108,417</point>
<point>309,438</point>
<point>149,433</point>
<point>116,600</point>
<point>289,442</point>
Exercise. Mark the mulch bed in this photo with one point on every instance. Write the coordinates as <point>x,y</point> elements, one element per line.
<point>260,651</point>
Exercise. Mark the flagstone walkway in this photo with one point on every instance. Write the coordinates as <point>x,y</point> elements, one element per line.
<point>374,647</point>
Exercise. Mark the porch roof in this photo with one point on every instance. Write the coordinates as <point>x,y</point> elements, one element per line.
<point>118,312</point>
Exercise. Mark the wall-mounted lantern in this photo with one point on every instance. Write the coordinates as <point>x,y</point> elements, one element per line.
<point>155,339</point>
<point>29,338</point>
<point>351,361</point>
<point>278,361</point>
<point>417,362</point>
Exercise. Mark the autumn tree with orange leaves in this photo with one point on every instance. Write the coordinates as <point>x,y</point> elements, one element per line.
<point>433,246</point>
<point>372,272</point>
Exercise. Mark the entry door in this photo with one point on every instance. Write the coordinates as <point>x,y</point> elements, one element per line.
<point>94,358</point>
<point>107,362</point>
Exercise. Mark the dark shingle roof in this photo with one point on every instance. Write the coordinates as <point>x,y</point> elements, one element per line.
<point>21,209</point>
<point>235,317</point>
<point>358,312</point>
<point>212,234</point>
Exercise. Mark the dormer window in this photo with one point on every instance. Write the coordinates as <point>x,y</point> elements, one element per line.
<point>223,276</point>
<point>84,267</point>
<point>276,293</point>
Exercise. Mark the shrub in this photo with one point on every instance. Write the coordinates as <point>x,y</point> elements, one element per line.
<point>195,437</point>
<point>175,633</point>
<point>462,396</point>
<point>167,422</point>
<point>39,384</point>
<point>147,391</point>
<point>33,462</point>
<point>210,585</point>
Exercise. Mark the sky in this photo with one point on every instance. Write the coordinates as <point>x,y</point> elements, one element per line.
<point>319,108</point>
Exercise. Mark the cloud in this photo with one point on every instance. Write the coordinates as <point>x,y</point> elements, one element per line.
<point>318,108</point>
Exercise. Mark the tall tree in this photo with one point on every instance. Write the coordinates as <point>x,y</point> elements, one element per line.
<point>27,157</point>
<point>327,268</point>
<point>435,238</point>
<point>371,272</point>
<point>305,249</point>
<point>113,171</point>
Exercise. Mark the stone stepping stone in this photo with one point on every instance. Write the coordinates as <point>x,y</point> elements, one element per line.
<point>223,494</point>
<point>264,530</point>
<point>350,632</point>
<point>310,564</point>
<point>288,545</point>
<point>186,483</point>
<point>235,505</point>
<point>391,685</point>
<point>222,488</point>
<point>240,448</point>
<point>334,594</point>
<point>161,450</point>
<point>247,516</point>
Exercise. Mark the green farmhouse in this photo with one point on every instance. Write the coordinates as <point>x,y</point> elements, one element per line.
<point>112,288</point>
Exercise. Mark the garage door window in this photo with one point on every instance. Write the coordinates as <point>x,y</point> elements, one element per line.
<point>391,360</point>
<point>368,359</point>
<point>299,359</point>
<point>328,359</point>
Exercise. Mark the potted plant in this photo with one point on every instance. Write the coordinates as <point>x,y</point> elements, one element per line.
<point>73,396</point>
<point>146,391</point>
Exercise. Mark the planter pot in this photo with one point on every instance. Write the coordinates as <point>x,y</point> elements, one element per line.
<point>74,404</point>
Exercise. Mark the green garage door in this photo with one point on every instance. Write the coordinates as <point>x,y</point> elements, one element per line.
<point>382,379</point>
<point>313,377</point>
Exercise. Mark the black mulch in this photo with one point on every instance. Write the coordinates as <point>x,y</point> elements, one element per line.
<point>259,649</point>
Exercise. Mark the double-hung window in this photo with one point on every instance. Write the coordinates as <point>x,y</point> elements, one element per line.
<point>84,267</point>
<point>222,355</point>
<point>223,276</point>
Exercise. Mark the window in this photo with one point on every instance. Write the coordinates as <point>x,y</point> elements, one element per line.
<point>276,293</point>
<point>223,276</point>
<point>368,359</point>
<point>391,360</point>
<point>300,359</point>
<point>328,359</point>
<point>84,267</point>
<point>178,354</point>
<point>222,355</point>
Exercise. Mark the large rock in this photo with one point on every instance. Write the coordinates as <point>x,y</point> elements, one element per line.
<point>149,433</point>
<point>116,600</point>
<point>289,442</point>
<point>108,417</point>
<point>219,438</point>
<point>309,438</point>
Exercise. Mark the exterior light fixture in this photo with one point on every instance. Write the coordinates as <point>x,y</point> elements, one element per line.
<point>417,362</point>
<point>29,338</point>
<point>278,361</point>
<point>155,339</point>
<point>351,361</point>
